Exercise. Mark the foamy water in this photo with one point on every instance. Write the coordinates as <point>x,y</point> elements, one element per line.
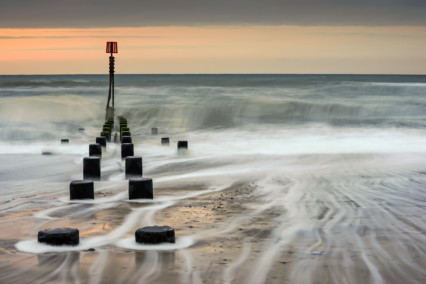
<point>335,166</point>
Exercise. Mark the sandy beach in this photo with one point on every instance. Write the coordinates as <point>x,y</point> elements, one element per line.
<point>231,241</point>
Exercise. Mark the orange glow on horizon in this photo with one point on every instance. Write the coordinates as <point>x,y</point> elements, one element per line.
<point>238,49</point>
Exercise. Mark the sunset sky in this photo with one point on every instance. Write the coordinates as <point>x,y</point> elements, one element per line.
<point>188,36</point>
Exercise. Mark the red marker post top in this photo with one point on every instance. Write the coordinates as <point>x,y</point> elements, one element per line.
<point>111,47</point>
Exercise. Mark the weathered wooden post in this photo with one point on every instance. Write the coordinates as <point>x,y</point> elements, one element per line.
<point>101,141</point>
<point>82,189</point>
<point>59,237</point>
<point>182,145</point>
<point>126,139</point>
<point>155,235</point>
<point>140,188</point>
<point>133,166</point>
<point>127,149</point>
<point>92,168</point>
<point>95,150</point>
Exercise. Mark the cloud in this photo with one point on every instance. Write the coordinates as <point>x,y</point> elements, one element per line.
<point>76,36</point>
<point>138,13</point>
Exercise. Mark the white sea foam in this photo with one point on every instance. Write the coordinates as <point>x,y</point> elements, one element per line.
<point>33,246</point>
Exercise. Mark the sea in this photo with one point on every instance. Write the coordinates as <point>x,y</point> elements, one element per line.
<point>339,159</point>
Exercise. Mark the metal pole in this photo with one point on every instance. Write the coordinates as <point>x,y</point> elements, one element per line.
<point>112,78</point>
<point>111,48</point>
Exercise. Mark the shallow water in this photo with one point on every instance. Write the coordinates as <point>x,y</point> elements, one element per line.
<point>288,178</point>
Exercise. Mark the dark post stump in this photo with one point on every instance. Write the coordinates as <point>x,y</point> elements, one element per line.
<point>59,237</point>
<point>155,235</point>
<point>154,131</point>
<point>165,141</point>
<point>95,150</point>
<point>92,168</point>
<point>65,141</point>
<point>126,139</point>
<point>82,189</point>
<point>107,135</point>
<point>101,141</point>
<point>127,150</point>
<point>133,166</point>
<point>182,144</point>
<point>140,188</point>
<point>125,133</point>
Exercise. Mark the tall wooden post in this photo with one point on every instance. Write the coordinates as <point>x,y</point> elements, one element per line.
<point>111,48</point>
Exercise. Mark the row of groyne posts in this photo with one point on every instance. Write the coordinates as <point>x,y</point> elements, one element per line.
<point>139,187</point>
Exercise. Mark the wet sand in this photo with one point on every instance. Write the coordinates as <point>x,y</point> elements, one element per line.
<point>231,239</point>
<point>257,218</point>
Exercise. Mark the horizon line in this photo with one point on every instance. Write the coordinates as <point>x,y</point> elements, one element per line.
<point>176,74</point>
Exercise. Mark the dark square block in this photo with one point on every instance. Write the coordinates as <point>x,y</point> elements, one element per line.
<point>165,141</point>
<point>95,150</point>
<point>155,235</point>
<point>127,150</point>
<point>126,139</point>
<point>59,237</point>
<point>82,189</point>
<point>125,133</point>
<point>140,188</point>
<point>92,168</point>
<point>107,135</point>
<point>133,166</point>
<point>182,144</point>
<point>101,141</point>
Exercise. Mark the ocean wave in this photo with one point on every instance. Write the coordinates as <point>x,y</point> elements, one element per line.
<point>52,83</point>
<point>48,108</point>
<point>211,80</point>
<point>240,112</point>
<point>53,80</point>
<point>399,84</point>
